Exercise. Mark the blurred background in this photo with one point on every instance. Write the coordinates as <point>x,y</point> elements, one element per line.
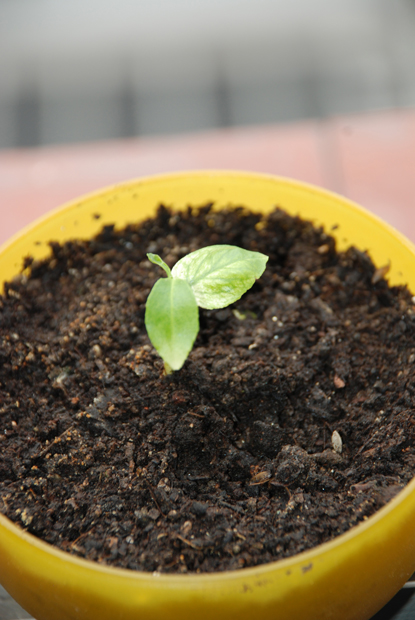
<point>90,70</point>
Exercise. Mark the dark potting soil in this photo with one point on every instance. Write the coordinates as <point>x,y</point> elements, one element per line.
<point>290,422</point>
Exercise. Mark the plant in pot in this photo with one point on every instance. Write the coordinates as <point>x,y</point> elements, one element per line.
<point>351,575</point>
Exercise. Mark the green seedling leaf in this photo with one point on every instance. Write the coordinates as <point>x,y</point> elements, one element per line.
<point>155,258</point>
<point>213,277</point>
<point>220,274</point>
<point>172,320</point>
<point>241,316</point>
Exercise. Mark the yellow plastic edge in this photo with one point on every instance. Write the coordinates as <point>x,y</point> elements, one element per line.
<point>349,578</point>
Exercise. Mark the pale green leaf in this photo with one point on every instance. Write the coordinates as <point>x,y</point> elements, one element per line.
<point>172,320</point>
<point>155,258</point>
<point>220,274</point>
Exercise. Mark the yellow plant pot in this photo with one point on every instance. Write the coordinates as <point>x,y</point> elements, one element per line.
<point>349,578</point>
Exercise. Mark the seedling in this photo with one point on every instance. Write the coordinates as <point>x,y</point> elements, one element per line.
<point>211,278</point>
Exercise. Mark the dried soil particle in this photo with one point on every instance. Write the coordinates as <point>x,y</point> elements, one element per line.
<point>229,462</point>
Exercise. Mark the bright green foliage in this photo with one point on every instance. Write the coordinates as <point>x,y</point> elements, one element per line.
<point>212,277</point>
<point>172,320</point>
<point>220,274</point>
<point>155,258</point>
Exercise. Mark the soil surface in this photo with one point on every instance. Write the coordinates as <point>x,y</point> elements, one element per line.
<point>290,422</point>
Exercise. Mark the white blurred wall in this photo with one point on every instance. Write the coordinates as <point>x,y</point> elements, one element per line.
<point>82,70</point>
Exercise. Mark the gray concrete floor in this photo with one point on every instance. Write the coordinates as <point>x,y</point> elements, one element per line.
<point>9,609</point>
<point>103,69</point>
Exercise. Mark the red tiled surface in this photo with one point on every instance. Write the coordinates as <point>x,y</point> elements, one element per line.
<point>369,158</point>
<point>375,164</point>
